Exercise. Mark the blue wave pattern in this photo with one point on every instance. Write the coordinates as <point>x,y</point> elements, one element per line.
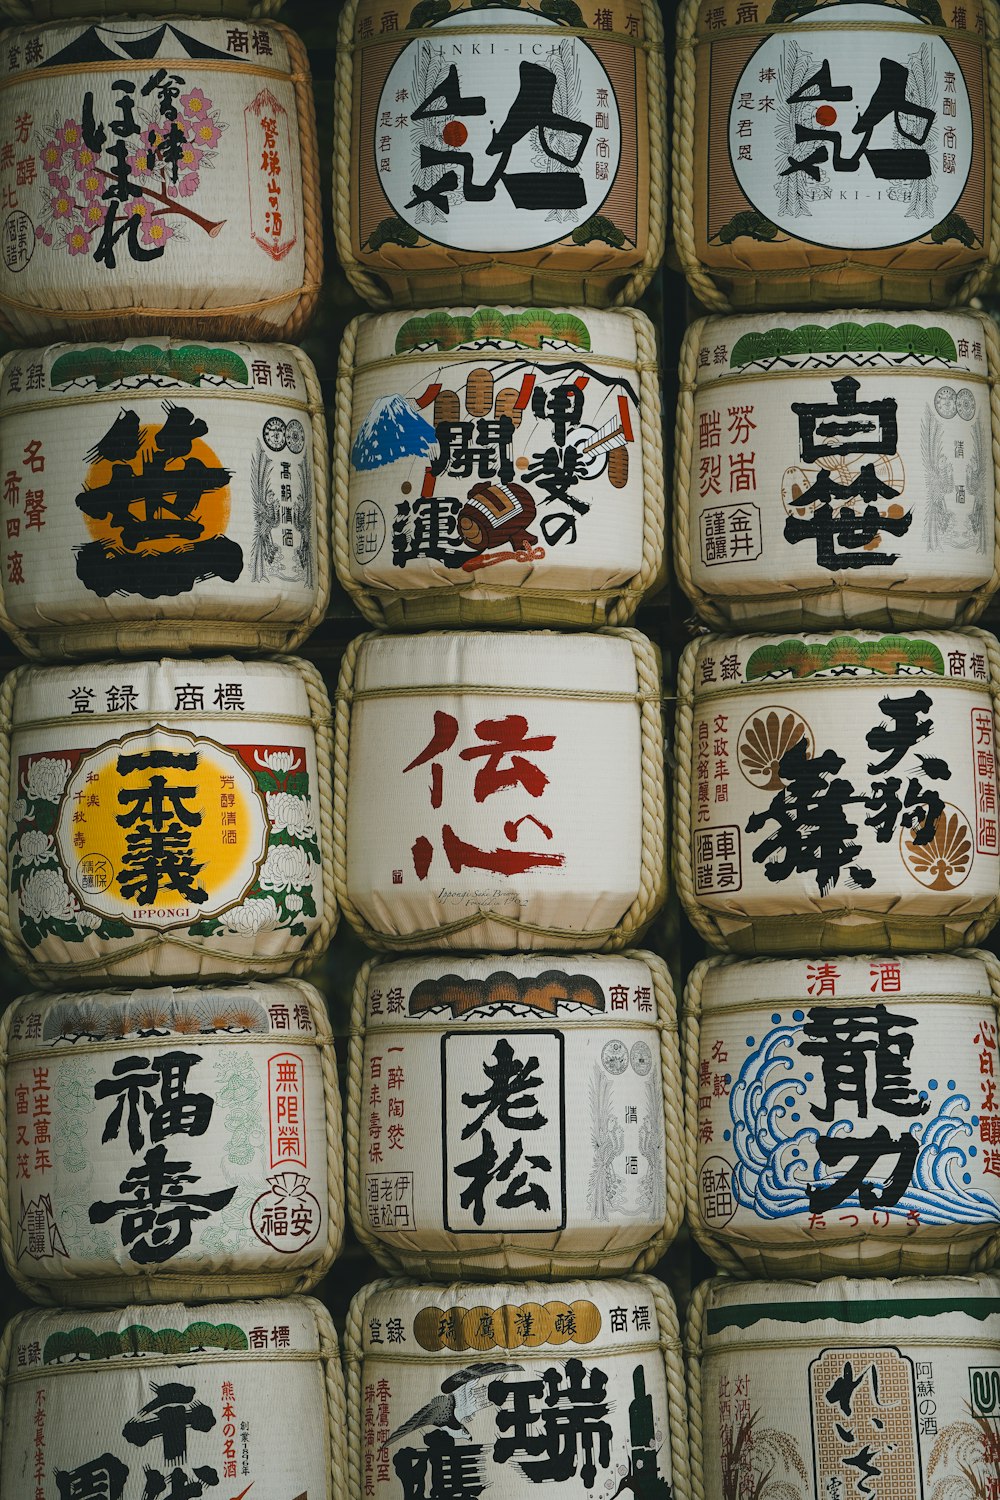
<point>776,1158</point>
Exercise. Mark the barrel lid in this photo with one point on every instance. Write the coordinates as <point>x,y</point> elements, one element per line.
<point>543,661</point>
<point>71,43</point>
<point>773,982</point>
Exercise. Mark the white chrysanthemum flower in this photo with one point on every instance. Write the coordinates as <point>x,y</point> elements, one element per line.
<point>34,847</point>
<point>45,779</point>
<point>46,894</point>
<point>278,761</point>
<point>255,915</point>
<point>286,866</point>
<point>287,813</point>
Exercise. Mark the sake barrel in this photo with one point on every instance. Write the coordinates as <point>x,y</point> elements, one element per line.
<point>835,154</point>
<point>216,1398</point>
<point>223,1098</point>
<point>554,1088</point>
<point>842,1113</point>
<point>498,792</point>
<point>165,820</point>
<point>837,794</point>
<point>160,175</point>
<point>515,153</point>
<point>876,430</point>
<point>827,1386</point>
<point>162,495</point>
<point>499,466</point>
<point>486,1389</point>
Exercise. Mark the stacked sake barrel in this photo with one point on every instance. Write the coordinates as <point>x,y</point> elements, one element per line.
<point>836,789</point>
<point>513,1083</point>
<point>172,1133</point>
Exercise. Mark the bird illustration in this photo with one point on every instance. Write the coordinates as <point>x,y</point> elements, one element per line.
<point>463,1394</point>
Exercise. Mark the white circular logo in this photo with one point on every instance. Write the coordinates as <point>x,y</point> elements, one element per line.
<point>853,139</point>
<point>496,141</point>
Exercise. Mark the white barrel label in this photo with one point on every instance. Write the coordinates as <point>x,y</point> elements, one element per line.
<point>161,1403</point>
<point>524,465</point>
<point>176,168</point>
<point>158,1150</point>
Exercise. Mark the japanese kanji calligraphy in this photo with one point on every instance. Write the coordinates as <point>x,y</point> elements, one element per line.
<point>173,171</point>
<point>482,782</point>
<point>894,1399</point>
<point>850,492</point>
<point>146,1403</point>
<point>857,1106</point>
<point>123,822</point>
<point>121,481</point>
<point>833,774</point>
<point>844,139</point>
<point>474,1055</point>
<point>472,141</point>
<point>564,1393</point>
<point>524,466</point>
<point>161,1122</point>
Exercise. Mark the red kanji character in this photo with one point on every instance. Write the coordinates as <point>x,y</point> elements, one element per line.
<point>462,856</point>
<point>445,735</point>
<point>508,736</point>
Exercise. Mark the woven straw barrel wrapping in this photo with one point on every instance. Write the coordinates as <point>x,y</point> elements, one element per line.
<point>58,10</point>
<point>227,1397</point>
<point>825,1386</point>
<point>836,153</point>
<point>513,153</point>
<point>540,503</point>
<point>165,820</point>
<point>162,495</point>
<point>842,1114</point>
<point>838,794</point>
<point>575,1387</point>
<point>498,792</point>
<point>598,1038</point>
<point>162,176</point>
<point>101,1089</point>
<point>880,433</point>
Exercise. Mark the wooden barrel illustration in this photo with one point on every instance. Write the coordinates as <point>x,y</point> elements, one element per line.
<point>805,1157</point>
<point>463,760</point>
<point>876,431</point>
<point>601,1192</point>
<point>473,161</point>
<point>163,178</point>
<point>837,794</point>
<point>806,1380</point>
<point>162,494</point>
<point>165,820</point>
<point>835,155</point>
<point>512,1363</point>
<point>455,421</point>
<point>194,1398</point>
<point>99,1088</point>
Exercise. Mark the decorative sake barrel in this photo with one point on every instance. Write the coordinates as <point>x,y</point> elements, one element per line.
<point>220,1399</point>
<point>563,1075</point>
<point>838,794</point>
<point>495,792</point>
<point>499,466</point>
<point>162,495</point>
<point>835,153</point>
<point>843,1114</point>
<point>160,175</point>
<point>888,513</point>
<point>487,1389</point>
<point>515,153</point>
<point>826,1387</point>
<point>165,820</point>
<point>239,1082</point>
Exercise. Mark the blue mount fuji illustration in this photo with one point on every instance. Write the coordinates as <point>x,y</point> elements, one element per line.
<point>392,429</point>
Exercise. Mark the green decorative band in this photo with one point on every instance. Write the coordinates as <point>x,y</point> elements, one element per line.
<point>841,1311</point>
<point>844,338</point>
<point>187,364</point>
<point>85,1344</point>
<point>528,328</point>
<point>884,656</point>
